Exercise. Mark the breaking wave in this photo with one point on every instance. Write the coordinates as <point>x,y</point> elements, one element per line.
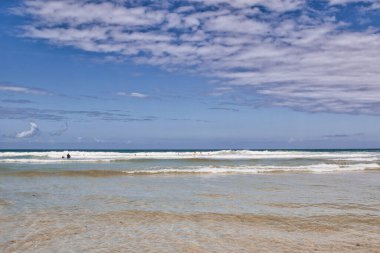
<point>111,156</point>
<point>112,163</point>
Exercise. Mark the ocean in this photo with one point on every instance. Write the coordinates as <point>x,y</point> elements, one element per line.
<point>190,200</point>
<point>188,161</point>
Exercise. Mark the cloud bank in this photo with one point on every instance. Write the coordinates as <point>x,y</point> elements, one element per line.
<point>292,53</point>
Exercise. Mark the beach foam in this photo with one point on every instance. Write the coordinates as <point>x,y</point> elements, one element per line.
<point>210,162</point>
<point>319,168</point>
<point>101,156</point>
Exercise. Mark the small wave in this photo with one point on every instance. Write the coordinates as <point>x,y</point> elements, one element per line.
<point>320,168</point>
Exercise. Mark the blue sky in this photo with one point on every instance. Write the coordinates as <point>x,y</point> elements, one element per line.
<point>190,74</point>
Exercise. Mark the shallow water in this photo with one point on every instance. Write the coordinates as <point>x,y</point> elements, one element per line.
<point>76,206</point>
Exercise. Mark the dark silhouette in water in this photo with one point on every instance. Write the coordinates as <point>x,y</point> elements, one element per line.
<point>68,156</point>
<point>63,157</point>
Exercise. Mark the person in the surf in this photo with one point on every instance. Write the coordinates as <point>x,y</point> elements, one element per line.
<point>68,156</point>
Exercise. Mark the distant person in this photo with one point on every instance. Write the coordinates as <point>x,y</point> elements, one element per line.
<point>63,157</point>
<point>68,156</point>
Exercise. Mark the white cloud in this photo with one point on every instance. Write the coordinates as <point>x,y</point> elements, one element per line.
<point>32,131</point>
<point>20,89</point>
<point>300,60</point>
<point>274,5</point>
<point>342,2</point>
<point>132,94</point>
<point>219,91</point>
<point>81,12</point>
<point>236,24</point>
<point>138,95</point>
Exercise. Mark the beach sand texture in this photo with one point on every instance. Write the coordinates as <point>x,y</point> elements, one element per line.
<point>141,231</point>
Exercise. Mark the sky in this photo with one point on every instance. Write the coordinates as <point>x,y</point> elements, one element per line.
<point>190,74</point>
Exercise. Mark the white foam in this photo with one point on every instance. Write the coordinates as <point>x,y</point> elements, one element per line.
<point>319,168</point>
<point>257,161</point>
<point>92,156</point>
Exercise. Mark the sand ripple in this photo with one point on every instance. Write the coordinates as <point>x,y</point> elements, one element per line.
<point>62,230</point>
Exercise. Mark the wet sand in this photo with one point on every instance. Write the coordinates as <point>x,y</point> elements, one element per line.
<point>223,213</point>
<point>141,231</point>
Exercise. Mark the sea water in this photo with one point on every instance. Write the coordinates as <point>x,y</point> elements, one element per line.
<point>203,161</point>
<point>190,201</point>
